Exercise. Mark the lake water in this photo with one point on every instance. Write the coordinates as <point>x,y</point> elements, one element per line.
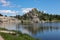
<point>43,31</point>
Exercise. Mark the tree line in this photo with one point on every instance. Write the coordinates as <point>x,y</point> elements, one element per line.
<point>41,15</point>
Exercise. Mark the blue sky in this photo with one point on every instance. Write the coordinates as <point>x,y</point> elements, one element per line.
<point>13,7</point>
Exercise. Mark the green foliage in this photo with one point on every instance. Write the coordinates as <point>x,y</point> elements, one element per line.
<point>1,15</point>
<point>18,17</point>
<point>7,36</point>
<point>25,22</point>
<point>26,17</point>
<point>41,15</point>
<point>3,29</point>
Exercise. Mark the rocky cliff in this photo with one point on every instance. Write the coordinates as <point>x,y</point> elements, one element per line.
<point>32,15</point>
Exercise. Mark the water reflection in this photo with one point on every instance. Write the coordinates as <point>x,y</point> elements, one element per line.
<point>9,26</point>
<point>35,28</point>
<point>40,30</point>
<point>31,28</point>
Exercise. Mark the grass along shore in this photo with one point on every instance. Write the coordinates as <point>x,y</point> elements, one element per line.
<point>20,36</point>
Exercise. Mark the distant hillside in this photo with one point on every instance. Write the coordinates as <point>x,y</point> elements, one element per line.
<point>36,14</point>
<point>40,15</point>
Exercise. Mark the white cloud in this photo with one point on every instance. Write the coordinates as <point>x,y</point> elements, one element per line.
<point>15,6</point>
<point>44,11</point>
<point>25,10</point>
<point>5,3</point>
<point>8,11</point>
<point>9,4</point>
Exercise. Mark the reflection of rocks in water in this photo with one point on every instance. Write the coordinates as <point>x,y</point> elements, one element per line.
<point>9,26</point>
<point>34,28</point>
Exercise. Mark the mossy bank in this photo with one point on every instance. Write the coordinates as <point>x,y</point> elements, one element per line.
<point>20,36</point>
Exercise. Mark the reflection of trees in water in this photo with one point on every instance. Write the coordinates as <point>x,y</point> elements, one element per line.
<point>35,28</point>
<point>17,26</point>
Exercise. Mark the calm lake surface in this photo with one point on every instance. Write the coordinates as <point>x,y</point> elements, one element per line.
<point>43,31</point>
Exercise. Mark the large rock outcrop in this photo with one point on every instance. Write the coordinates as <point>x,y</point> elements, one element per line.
<point>33,15</point>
